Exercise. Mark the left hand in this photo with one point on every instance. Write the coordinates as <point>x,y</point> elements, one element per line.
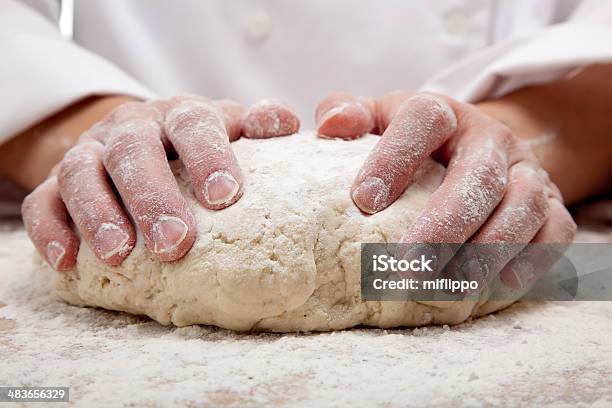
<point>494,189</point>
<point>117,178</point>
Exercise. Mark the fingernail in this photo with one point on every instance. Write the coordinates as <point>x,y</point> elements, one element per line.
<point>335,110</point>
<point>371,195</point>
<point>55,253</point>
<point>110,240</point>
<point>220,188</point>
<point>168,233</point>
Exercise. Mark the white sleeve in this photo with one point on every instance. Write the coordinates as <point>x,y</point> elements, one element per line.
<point>41,73</point>
<point>551,54</point>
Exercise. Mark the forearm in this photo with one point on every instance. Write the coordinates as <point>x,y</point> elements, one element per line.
<point>27,158</point>
<point>569,127</point>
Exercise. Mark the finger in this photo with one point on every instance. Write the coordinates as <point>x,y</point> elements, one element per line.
<point>130,111</point>
<point>345,116</point>
<point>233,113</point>
<point>101,130</point>
<point>422,124</point>
<point>47,225</point>
<point>513,224</point>
<point>387,106</point>
<point>199,135</point>
<point>474,184</point>
<point>548,246</point>
<point>269,118</point>
<point>135,159</point>
<point>92,204</point>
<point>162,105</point>
<point>522,211</point>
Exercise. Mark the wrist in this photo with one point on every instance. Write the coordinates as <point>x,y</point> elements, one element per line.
<point>559,133</point>
<point>529,118</point>
<point>27,158</point>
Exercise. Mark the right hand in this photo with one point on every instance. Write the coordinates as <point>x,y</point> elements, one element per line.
<point>119,172</point>
<point>494,189</point>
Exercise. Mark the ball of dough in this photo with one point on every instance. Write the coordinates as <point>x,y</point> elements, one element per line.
<point>285,257</point>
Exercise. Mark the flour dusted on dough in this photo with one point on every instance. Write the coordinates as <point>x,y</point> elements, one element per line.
<point>286,257</point>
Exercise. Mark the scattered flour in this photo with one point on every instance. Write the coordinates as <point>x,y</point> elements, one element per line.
<point>560,354</point>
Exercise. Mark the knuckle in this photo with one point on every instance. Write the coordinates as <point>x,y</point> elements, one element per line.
<point>161,105</point>
<point>231,110</point>
<point>98,131</point>
<point>436,111</point>
<point>521,150</point>
<point>526,172</point>
<point>79,156</point>
<point>78,165</point>
<point>489,171</point>
<point>503,136</point>
<point>543,175</point>
<point>130,139</point>
<point>132,125</point>
<point>195,117</point>
<point>29,205</point>
<point>529,180</point>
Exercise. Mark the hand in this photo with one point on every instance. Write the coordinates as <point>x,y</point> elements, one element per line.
<point>128,152</point>
<point>493,191</point>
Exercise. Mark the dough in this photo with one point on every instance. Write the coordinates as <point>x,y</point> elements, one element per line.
<point>285,257</point>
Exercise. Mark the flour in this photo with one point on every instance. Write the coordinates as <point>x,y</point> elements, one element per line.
<point>531,354</point>
<point>549,354</point>
<point>286,257</point>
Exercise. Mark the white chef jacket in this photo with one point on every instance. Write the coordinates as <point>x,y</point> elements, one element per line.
<point>297,51</point>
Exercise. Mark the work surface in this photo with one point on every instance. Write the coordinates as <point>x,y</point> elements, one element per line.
<point>557,354</point>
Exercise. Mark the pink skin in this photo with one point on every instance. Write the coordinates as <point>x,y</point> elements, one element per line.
<point>559,229</point>
<point>269,118</point>
<point>46,221</point>
<point>131,146</point>
<point>135,159</point>
<point>90,199</point>
<point>419,127</point>
<point>493,191</point>
<point>198,132</point>
<point>233,113</point>
<point>345,116</point>
<point>516,220</point>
